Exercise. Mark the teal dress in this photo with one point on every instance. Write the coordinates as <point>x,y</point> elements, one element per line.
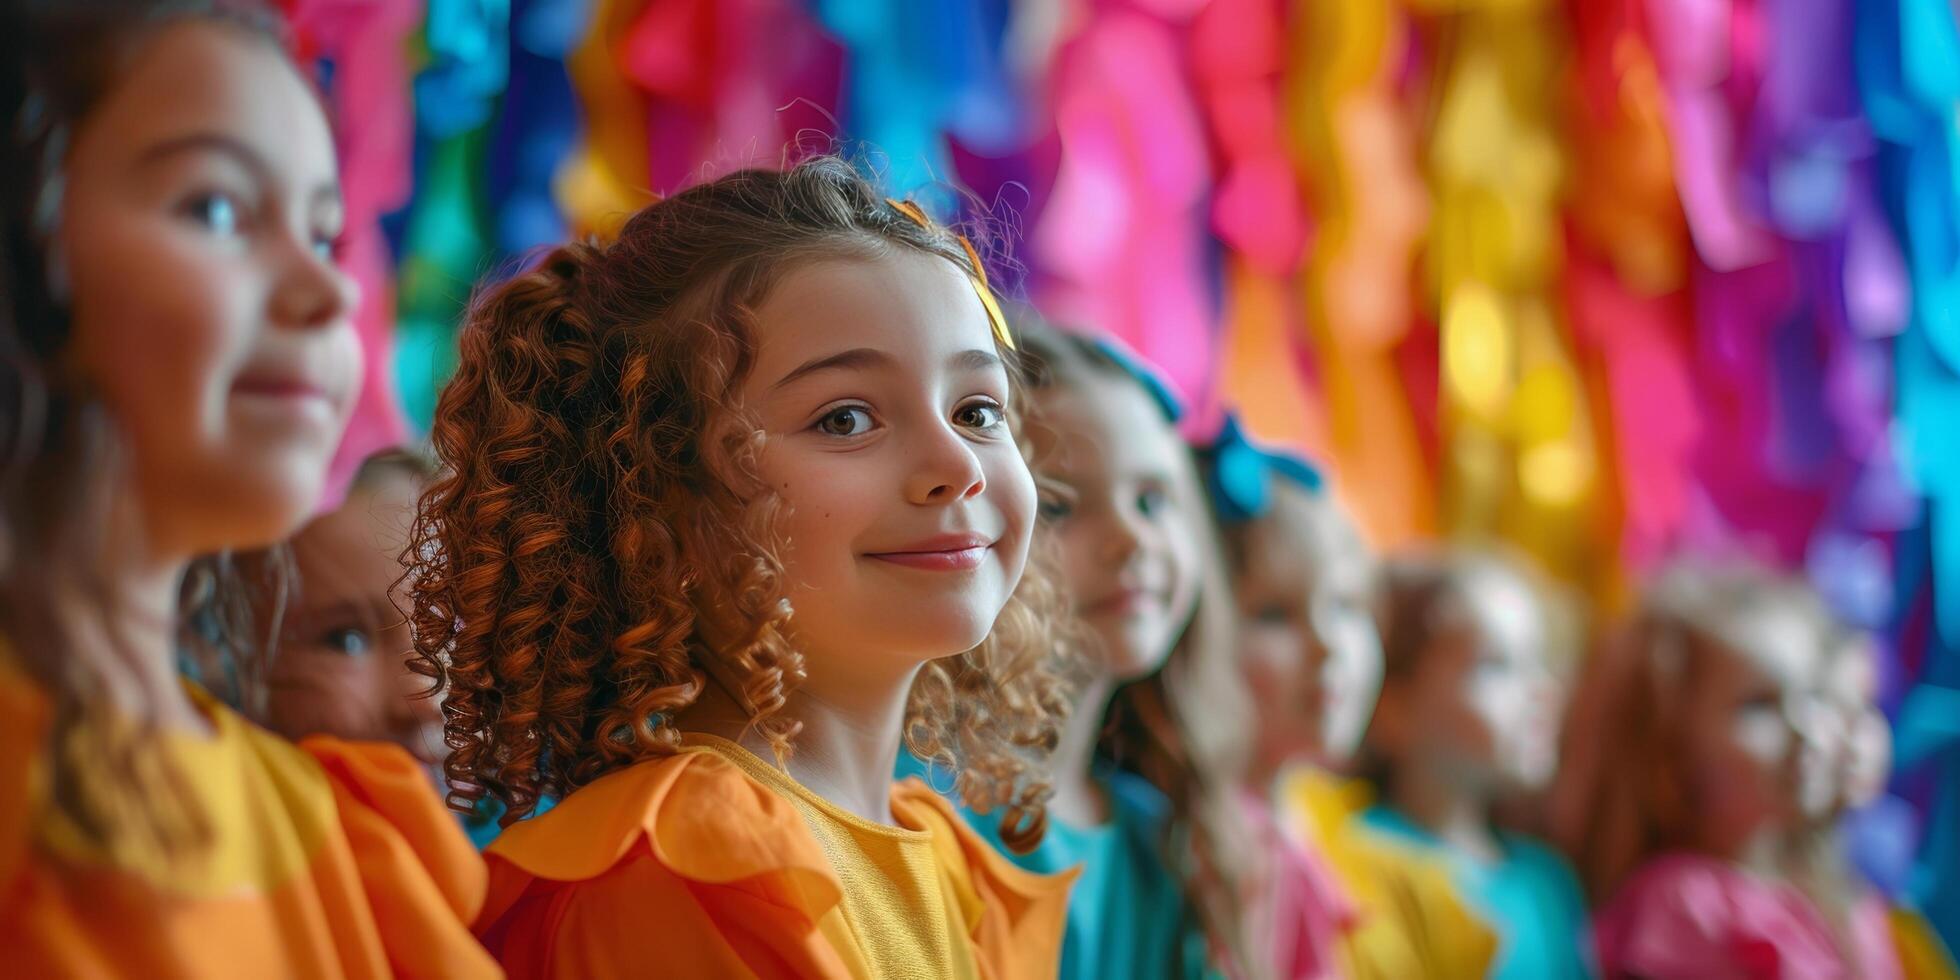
<point>1126,914</point>
<point>1530,899</point>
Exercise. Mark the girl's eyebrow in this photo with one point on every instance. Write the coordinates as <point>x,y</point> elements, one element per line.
<point>373,612</point>
<point>975,359</point>
<point>861,358</point>
<point>208,142</point>
<point>239,152</point>
<point>1054,484</point>
<point>857,358</point>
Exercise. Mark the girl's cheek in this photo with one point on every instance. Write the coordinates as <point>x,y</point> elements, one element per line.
<point>1761,739</point>
<point>1488,706</point>
<point>1269,659</point>
<point>1075,547</point>
<point>322,693</point>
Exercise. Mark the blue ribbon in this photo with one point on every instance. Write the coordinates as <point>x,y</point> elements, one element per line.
<point>1153,383</point>
<point>1241,474</point>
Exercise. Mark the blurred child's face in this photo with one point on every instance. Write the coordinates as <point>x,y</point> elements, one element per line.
<point>909,506</point>
<point>1307,640</point>
<point>1749,737</point>
<point>341,667</point>
<point>1482,705</point>
<point>197,220</point>
<point>1121,501</point>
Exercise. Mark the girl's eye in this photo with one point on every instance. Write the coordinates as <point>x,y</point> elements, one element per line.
<point>1767,702</point>
<point>1053,510</point>
<point>1151,501</point>
<point>847,421</point>
<point>1272,614</point>
<point>980,415</point>
<point>217,212</point>
<point>1054,500</point>
<point>347,640</point>
<point>1341,616</point>
<point>327,247</point>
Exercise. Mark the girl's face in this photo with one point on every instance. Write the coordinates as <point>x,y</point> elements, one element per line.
<point>342,663</point>
<point>198,214</point>
<point>909,507</point>
<point>1482,705</point>
<point>1750,731</point>
<point>1307,641</point>
<point>1122,501</point>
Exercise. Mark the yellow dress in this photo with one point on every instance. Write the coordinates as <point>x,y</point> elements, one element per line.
<point>1922,956</point>
<point>712,862</point>
<point>1410,921</point>
<point>328,859</point>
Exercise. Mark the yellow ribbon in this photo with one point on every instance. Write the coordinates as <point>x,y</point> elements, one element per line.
<point>978,277</point>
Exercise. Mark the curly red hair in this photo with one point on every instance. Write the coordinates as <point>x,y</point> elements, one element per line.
<point>600,532</point>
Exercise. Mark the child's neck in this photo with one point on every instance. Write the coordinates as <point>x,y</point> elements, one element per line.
<point>1460,819</point>
<point>126,628</point>
<point>1078,801</point>
<point>847,748</point>
<point>1265,769</point>
<point>1765,852</point>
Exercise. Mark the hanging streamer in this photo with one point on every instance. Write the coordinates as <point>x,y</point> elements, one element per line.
<point>1354,150</point>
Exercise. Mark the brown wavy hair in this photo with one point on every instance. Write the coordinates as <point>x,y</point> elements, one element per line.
<point>62,460</point>
<point>1624,792</point>
<point>1182,728</point>
<point>599,539</point>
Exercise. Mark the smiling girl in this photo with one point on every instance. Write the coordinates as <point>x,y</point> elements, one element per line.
<point>1143,804</point>
<point>176,366</point>
<point>733,504</point>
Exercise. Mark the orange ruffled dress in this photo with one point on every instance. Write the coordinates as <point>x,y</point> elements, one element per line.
<point>712,862</point>
<point>329,859</point>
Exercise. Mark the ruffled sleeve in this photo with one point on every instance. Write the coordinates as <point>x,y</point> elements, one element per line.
<point>680,866</point>
<point>1015,917</point>
<point>423,880</point>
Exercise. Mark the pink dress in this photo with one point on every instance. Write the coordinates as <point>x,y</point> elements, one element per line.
<point>1870,928</point>
<point>1685,915</point>
<point>1305,912</point>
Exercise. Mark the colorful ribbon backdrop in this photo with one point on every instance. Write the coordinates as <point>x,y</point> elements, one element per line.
<point>1608,279</point>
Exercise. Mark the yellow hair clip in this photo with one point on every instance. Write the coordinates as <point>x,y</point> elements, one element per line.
<point>910,210</point>
<point>986,293</point>
<point>978,277</point>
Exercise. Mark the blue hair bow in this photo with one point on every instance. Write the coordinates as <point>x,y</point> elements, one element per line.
<point>1153,383</point>
<point>1240,475</point>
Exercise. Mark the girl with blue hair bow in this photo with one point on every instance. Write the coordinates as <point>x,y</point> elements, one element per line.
<point>1309,652</point>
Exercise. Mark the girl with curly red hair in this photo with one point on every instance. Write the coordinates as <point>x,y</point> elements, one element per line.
<point>731,506</point>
